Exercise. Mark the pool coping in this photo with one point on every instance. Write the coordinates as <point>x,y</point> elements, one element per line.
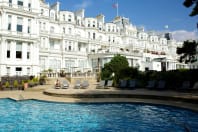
<point>182,100</point>
<point>177,99</point>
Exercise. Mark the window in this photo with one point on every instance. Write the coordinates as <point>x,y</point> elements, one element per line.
<point>9,22</point>
<point>63,30</point>
<point>70,31</point>
<point>8,49</point>
<point>69,18</point>
<point>70,48</point>
<point>88,24</point>
<point>94,35</point>
<point>20,3</point>
<point>18,70</point>
<point>28,51</point>
<point>19,50</point>
<point>51,29</point>
<point>44,25</point>
<point>29,25</point>
<point>8,70</point>
<point>63,17</point>
<point>10,3</point>
<point>52,15</point>
<point>88,34</point>
<point>109,29</point>
<point>29,6</point>
<point>28,71</point>
<point>148,59</point>
<point>42,11</point>
<point>51,44</point>
<point>19,24</point>
<point>94,24</point>
<point>78,22</point>
<point>43,43</point>
<point>69,64</point>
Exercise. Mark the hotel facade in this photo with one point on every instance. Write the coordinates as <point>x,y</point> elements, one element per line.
<point>36,36</point>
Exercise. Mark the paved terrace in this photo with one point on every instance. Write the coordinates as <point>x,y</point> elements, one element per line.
<point>92,95</point>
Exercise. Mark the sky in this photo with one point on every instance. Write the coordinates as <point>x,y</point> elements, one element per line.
<point>153,15</point>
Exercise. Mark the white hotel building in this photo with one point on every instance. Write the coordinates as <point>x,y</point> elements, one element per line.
<point>35,36</point>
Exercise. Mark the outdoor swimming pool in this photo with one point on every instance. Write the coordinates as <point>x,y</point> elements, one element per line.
<point>37,116</point>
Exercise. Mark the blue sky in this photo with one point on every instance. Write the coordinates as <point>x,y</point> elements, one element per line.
<point>152,14</point>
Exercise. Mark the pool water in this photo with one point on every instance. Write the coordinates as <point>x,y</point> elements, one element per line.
<point>39,116</point>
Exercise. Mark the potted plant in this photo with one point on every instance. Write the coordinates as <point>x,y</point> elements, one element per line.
<point>22,85</point>
<point>30,83</point>
<point>42,80</point>
<point>7,84</point>
<point>35,80</point>
<point>16,84</point>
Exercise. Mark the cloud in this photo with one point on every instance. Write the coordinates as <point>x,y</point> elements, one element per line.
<point>182,35</point>
<point>83,5</point>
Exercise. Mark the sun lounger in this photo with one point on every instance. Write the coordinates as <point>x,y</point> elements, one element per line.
<point>132,84</point>
<point>122,84</point>
<point>85,84</point>
<point>77,84</point>
<point>161,85</point>
<point>185,85</point>
<point>65,84</point>
<point>151,84</point>
<point>195,86</point>
<point>101,84</point>
<point>109,84</point>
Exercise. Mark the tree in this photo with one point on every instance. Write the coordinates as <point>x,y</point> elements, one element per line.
<point>188,52</point>
<point>106,72</point>
<point>189,3</point>
<point>116,64</point>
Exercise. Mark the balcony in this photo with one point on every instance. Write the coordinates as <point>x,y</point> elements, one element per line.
<point>19,35</point>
